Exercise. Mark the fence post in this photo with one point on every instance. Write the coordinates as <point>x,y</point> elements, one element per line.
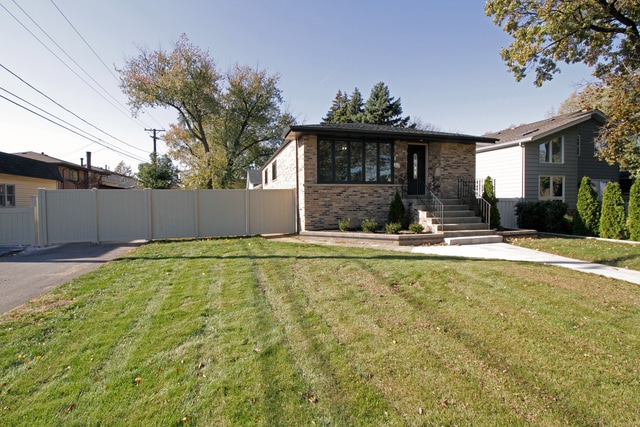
<point>43,234</point>
<point>96,209</point>
<point>247,215</point>
<point>196,213</point>
<point>149,213</point>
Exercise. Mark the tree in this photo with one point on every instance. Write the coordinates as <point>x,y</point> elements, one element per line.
<point>159,173</point>
<point>396,210</point>
<point>612,219</point>
<point>225,121</point>
<point>380,109</point>
<point>603,34</point>
<point>586,220</point>
<point>633,220</point>
<point>123,169</point>
<point>489,195</point>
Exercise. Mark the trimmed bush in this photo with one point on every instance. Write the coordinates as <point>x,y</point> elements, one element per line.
<point>369,225</point>
<point>490,196</point>
<point>344,224</point>
<point>633,220</point>
<point>613,219</point>
<point>545,216</point>
<point>393,227</point>
<point>416,228</point>
<point>586,220</point>
<point>396,210</point>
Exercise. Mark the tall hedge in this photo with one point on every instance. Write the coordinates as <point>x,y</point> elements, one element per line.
<point>633,221</point>
<point>545,216</point>
<point>612,219</point>
<point>489,195</point>
<point>586,220</point>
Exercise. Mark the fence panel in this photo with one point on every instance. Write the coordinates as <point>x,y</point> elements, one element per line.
<point>222,213</point>
<point>507,208</point>
<point>17,226</point>
<point>271,211</point>
<point>123,215</point>
<point>173,214</point>
<point>69,216</point>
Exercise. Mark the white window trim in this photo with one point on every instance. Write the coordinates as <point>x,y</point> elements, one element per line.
<point>4,195</point>
<point>564,188</point>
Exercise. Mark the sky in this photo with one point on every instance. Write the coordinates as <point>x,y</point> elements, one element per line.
<point>441,58</point>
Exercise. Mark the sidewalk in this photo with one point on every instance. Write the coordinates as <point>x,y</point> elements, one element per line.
<point>505,251</point>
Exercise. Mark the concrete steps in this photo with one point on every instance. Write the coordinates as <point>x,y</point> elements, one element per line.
<point>460,225</point>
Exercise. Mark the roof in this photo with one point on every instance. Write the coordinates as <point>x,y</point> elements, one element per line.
<point>379,131</point>
<point>541,129</point>
<point>254,176</point>
<point>11,164</point>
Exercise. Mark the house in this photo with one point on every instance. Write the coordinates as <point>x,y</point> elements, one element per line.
<point>354,170</point>
<point>545,160</point>
<point>21,177</point>
<point>254,179</point>
<point>83,175</point>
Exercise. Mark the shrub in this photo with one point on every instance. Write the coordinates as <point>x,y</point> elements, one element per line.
<point>612,218</point>
<point>396,210</point>
<point>369,225</point>
<point>543,216</point>
<point>393,227</point>
<point>344,224</point>
<point>586,220</point>
<point>416,228</point>
<point>633,221</point>
<point>490,196</point>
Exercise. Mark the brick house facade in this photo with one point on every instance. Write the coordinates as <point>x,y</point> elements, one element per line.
<point>354,170</point>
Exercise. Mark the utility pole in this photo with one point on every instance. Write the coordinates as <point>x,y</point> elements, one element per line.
<point>155,155</point>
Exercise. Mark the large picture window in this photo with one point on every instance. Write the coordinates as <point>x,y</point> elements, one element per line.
<point>552,151</point>
<point>355,161</point>
<point>551,187</point>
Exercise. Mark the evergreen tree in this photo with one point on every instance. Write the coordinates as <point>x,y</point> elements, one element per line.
<point>382,109</point>
<point>396,210</point>
<point>633,221</point>
<point>612,220</point>
<point>355,107</point>
<point>586,220</point>
<point>339,111</point>
<point>490,196</point>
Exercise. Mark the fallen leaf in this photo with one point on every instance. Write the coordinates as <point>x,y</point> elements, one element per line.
<point>137,381</point>
<point>69,408</point>
<point>313,398</point>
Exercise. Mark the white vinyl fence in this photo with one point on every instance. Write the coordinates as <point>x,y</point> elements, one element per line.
<point>507,208</point>
<point>73,216</point>
<point>17,226</point>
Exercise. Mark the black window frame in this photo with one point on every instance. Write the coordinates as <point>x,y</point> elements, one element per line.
<point>361,144</point>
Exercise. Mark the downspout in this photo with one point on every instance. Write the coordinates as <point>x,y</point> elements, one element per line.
<point>297,197</point>
<point>523,173</point>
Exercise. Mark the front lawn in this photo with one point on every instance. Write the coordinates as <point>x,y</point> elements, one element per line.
<point>257,332</point>
<point>623,255</point>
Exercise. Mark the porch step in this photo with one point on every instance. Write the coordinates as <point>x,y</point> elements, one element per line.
<point>472,240</point>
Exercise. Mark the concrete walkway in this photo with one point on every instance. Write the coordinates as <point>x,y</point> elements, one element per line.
<point>505,251</point>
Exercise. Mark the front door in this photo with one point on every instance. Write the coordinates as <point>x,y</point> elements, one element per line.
<point>416,171</point>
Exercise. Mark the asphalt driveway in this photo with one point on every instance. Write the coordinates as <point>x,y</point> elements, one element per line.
<point>34,271</point>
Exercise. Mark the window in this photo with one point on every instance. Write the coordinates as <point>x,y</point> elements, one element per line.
<point>7,195</point>
<point>578,145</point>
<point>274,171</point>
<point>552,151</point>
<point>266,176</point>
<point>355,161</point>
<point>73,175</point>
<point>551,187</point>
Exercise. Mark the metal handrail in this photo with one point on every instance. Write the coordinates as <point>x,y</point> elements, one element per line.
<point>468,194</point>
<point>434,205</point>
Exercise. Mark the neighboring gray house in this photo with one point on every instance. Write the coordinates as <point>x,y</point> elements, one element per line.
<point>353,170</point>
<point>545,160</point>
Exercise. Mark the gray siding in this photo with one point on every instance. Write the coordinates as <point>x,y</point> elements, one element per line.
<point>588,164</point>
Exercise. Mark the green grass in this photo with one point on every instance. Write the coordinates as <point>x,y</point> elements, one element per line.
<point>256,332</point>
<point>623,255</point>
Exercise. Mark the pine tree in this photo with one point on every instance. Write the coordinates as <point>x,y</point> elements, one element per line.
<point>612,220</point>
<point>633,221</point>
<point>586,220</point>
<point>339,111</point>
<point>490,196</point>
<point>396,210</point>
<point>355,107</point>
<point>382,109</point>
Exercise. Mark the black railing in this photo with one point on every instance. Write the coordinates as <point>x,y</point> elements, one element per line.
<point>432,203</point>
<point>469,195</point>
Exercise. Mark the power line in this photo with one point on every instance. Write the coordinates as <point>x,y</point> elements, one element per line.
<point>94,52</point>
<point>67,65</point>
<point>66,109</point>
<point>129,155</point>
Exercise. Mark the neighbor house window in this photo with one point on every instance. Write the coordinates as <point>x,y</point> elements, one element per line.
<point>7,195</point>
<point>274,171</point>
<point>578,145</point>
<point>551,187</point>
<point>552,151</point>
<point>73,175</point>
<point>266,176</point>
<point>355,161</point>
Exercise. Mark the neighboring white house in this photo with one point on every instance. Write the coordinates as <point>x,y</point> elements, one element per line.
<point>544,160</point>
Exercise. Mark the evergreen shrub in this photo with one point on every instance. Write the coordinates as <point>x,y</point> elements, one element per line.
<point>586,220</point>
<point>613,219</point>
<point>633,220</point>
